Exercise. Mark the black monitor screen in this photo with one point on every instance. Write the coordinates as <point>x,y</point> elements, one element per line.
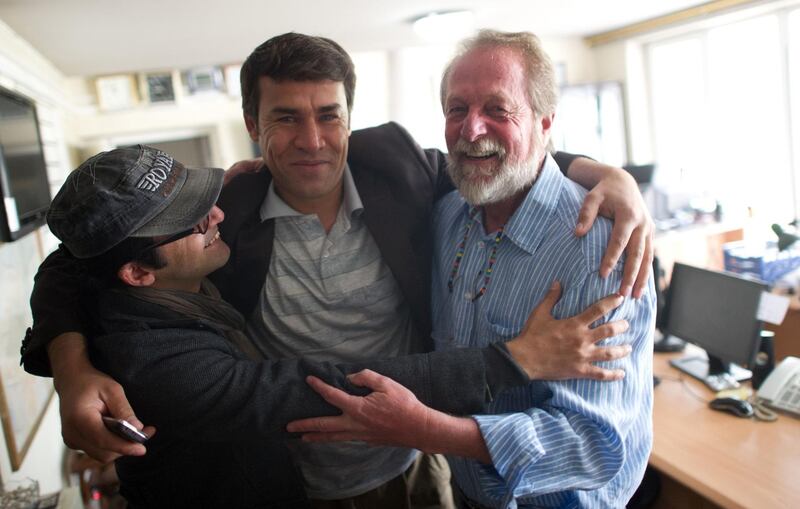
<point>642,174</point>
<point>23,174</point>
<point>715,311</point>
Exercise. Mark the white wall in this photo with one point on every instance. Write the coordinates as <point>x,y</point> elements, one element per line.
<point>23,70</point>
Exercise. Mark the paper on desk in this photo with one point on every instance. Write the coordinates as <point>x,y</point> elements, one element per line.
<point>772,308</point>
<point>742,392</point>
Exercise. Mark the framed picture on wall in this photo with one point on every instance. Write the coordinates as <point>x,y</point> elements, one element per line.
<point>203,79</point>
<point>116,92</point>
<point>159,87</point>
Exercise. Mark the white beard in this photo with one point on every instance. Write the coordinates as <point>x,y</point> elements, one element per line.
<point>507,179</point>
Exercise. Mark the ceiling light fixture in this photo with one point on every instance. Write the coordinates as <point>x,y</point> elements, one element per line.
<point>444,25</point>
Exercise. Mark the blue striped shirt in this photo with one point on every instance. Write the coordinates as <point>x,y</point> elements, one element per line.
<point>574,443</point>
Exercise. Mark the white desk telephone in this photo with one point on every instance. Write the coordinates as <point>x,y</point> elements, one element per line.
<point>781,389</point>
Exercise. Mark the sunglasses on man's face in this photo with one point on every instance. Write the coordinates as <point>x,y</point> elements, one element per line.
<point>200,228</point>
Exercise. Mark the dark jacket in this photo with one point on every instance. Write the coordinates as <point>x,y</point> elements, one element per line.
<point>211,450</point>
<point>221,417</point>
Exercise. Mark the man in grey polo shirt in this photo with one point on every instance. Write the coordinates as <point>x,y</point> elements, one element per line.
<point>329,297</point>
<point>326,273</point>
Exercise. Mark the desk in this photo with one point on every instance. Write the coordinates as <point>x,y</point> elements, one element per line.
<point>732,462</point>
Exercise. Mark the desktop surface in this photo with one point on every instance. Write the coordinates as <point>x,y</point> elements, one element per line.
<point>733,462</point>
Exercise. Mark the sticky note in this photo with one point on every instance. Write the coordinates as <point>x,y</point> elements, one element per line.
<point>772,308</point>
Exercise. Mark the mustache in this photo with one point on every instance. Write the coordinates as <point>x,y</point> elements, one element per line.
<point>459,167</point>
<point>481,147</point>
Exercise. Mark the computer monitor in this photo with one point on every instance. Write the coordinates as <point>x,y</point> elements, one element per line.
<point>24,186</point>
<point>641,173</point>
<point>717,312</point>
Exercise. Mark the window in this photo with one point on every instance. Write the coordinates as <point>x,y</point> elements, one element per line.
<point>721,115</point>
<point>590,121</point>
<point>794,97</point>
<point>678,103</point>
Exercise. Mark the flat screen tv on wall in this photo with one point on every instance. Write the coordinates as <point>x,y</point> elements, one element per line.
<point>23,174</point>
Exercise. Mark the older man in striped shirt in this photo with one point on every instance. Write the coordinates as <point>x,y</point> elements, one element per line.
<point>504,243</point>
<point>501,241</point>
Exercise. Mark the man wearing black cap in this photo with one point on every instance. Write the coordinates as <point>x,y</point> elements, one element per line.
<point>149,230</point>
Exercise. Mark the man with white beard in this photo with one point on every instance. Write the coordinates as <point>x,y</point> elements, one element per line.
<point>503,244</point>
<point>511,176</point>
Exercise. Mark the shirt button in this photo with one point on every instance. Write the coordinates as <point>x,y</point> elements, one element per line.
<point>468,295</point>
<point>481,245</point>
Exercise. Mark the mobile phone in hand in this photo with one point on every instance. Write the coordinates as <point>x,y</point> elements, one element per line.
<point>125,429</point>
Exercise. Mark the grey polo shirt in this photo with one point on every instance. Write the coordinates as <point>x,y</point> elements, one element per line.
<point>331,297</point>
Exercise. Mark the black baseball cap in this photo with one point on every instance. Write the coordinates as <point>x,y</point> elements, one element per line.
<point>136,191</point>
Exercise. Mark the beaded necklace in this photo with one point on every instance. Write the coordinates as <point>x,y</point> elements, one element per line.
<point>460,255</point>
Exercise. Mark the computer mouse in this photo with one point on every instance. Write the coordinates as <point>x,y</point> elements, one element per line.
<point>737,407</point>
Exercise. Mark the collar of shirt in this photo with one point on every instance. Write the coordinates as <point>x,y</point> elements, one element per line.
<point>529,222</point>
<point>274,206</point>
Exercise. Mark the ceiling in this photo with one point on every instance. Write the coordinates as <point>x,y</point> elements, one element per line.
<point>92,37</point>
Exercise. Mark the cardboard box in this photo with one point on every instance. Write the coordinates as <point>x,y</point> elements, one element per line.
<point>762,262</point>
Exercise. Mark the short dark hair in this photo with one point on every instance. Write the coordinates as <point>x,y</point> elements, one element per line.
<point>103,268</point>
<point>296,57</point>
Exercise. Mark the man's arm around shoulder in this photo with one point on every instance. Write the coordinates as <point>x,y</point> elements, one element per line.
<point>57,291</point>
